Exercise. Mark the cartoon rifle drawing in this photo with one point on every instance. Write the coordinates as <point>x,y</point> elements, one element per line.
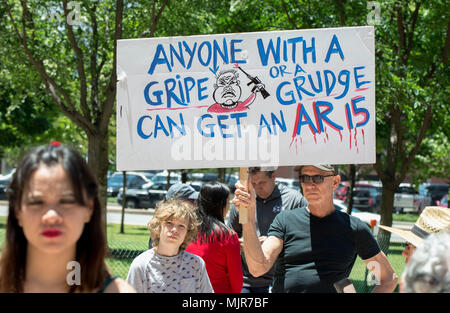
<point>255,80</point>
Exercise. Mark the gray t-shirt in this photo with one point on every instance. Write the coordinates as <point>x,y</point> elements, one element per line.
<point>183,273</point>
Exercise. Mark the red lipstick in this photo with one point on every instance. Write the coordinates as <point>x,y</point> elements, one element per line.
<point>51,233</point>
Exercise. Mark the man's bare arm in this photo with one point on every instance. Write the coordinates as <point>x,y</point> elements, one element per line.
<point>384,273</point>
<point>260,258</point>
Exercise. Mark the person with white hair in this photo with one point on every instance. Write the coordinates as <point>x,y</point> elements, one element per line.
<point>428,270</point>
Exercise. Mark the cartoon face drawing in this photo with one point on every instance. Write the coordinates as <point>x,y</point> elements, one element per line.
<point>227,90</point>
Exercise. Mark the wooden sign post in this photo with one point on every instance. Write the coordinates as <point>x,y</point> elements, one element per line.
<point>243,179</point>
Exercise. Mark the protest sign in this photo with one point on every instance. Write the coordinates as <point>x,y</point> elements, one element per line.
<point>246,99</point>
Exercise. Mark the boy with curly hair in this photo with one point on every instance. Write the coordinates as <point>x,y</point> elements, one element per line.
<point>167,267</point>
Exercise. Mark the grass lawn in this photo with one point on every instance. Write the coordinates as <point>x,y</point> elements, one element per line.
<point>125,247</point>
<point>407,217</point>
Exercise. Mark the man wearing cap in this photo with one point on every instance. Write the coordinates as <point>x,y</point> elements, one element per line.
<point>433,219</point>
<point>271,199</point>
<point>313,246</point>
<point>183,192</point>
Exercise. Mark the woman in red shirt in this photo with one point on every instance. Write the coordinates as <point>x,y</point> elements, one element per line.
<point>216,243</point>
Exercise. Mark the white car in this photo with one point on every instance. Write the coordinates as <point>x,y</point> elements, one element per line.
<point>371,219</point>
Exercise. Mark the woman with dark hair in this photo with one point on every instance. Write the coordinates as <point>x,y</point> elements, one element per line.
<point>217,244</point>
<point>55,240</point>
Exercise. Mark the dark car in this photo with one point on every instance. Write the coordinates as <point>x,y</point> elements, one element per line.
<point>436,192</point>
<point>3,188</point>
<point>367,198</point>
<point>443,202</point>
<point>134,179</point>
<point>143,196</point>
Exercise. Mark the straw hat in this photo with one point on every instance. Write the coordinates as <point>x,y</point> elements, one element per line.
<point>433,219</point>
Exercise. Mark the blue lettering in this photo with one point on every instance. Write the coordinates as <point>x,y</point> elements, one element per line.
<point>139,127</point>
<point>345,83</point>
<point>319,81</point>
<point>159,126</point>
<point>170,85</point>
<point>179,55</point>
<point>357,77</point>
<point>264,54</point>
<point>172,123</point>
<point>223,54</point>
<point>190,52</point>
<point>335,47</point>
<point>188,88</point>
<point>323,115</point>
<point>159,60</point>
<point>220,118</point>
<point>294,41</point>
<point>308,121</point>
<point>329,87</point>
<point>200,49</point>
<point>201,88</point>
<point>157,94</point>
<point>311,50</point>
<point>263,123</point>
<point>290,93</point>
<point>234,50</point>
<point>298,69</point>
<point>299,87</point>
<point>237,117</point>
<point>275,120</point>
<point>210,126</point>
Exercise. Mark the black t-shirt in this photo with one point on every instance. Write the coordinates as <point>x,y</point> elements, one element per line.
<point>318,252</point>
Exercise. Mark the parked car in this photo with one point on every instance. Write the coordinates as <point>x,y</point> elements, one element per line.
<point>407,198</point>
<point>367,198</point>
<point>436,192</point>
<point>341,192</point>
<point>4,182</point>
<point>289,182</point>
<point>144,196</point>
<point>134,179</point>
<point>371,219</point>
<point>161,178</point>
<point>443,202</point>
<point>231,181</point>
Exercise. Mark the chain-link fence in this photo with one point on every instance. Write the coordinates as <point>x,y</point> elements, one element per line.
<point>123,248</point>
<point>122,254</point>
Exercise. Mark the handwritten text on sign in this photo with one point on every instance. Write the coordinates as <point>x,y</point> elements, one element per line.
<point>268,98</point>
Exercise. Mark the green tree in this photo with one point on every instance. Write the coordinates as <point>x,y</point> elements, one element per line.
<point>412,73</point>
<point>74,55</point>
<point>412,88</point>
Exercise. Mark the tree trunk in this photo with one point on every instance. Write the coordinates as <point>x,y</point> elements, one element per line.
<point>387,203</point>
<point>221,174</point>
<point>98,163</point>
<point>350,188</point>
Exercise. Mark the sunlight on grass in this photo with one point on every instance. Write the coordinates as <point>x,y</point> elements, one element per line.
<point>123,248</point>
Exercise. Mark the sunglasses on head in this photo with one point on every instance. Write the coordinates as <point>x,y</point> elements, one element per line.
<point>316,179</point>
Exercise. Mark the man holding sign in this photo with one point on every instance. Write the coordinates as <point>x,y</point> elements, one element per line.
<point>271,199</point>
<point>314,246</point>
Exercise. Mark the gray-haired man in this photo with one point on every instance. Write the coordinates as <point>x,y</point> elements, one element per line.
<point>313,246</point>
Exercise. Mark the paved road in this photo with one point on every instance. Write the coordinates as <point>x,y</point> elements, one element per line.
<point>143,216</point>
<point>132,216</point>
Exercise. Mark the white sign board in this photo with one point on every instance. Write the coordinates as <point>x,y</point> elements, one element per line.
<point>247,99</point>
